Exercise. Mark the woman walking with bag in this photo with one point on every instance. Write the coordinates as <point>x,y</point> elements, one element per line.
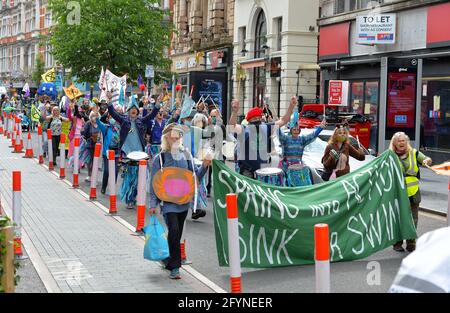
<point>174,166</point>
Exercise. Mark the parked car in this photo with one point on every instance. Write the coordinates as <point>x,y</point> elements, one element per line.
<point>313,153</point>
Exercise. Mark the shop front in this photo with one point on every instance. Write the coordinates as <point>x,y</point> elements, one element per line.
<point>400,86</point>
<point>183,64</point>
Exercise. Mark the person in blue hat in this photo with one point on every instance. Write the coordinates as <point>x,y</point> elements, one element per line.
<point>132,139</point>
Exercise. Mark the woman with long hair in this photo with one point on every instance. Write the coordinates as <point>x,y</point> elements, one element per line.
<point>410,159</point>
<point>174,164</point>
<point>336,156</point>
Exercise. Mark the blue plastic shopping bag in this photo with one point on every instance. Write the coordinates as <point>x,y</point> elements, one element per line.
<point>156,246</point>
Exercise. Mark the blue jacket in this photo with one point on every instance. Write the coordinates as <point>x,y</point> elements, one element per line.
<point>107,132</point>
<point>142,123</point>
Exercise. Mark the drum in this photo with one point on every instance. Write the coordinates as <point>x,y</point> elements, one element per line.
<point>138,155</point>
<point>271,176</point>
<point>298,175</point>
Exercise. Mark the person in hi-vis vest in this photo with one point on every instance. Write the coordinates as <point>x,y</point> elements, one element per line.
<point>410,159</point>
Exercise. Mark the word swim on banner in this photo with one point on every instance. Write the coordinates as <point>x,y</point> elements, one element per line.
<point>367,210</point>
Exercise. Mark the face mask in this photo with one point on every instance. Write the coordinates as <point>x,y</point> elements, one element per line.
<point>214,120</point>
<point>342,138</point>
<point>257,123</point>
<point>188,123</point>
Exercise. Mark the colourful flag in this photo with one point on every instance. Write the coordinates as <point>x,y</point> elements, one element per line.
<point>35,114</point>
<point>49,76</point>
<point>26,89</point>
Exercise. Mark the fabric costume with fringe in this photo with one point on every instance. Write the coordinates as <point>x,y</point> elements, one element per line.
<point>128,189</point>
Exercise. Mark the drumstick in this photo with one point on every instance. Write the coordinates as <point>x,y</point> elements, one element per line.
<point>359,144</point>
<point>324,112</point>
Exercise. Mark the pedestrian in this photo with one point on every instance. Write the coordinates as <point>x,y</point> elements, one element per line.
<point>296,174</point>
<point>91,134</point>
<point>174,210</point>
<point>111,140</point>
<point>336,156</point>
<point>132,139</point>
<point>77,124</point>
<point>252,152</point>
<point>410,159</point>
<point>55,124</point>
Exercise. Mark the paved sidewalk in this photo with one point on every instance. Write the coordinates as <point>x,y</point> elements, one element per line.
<point>72,244</point>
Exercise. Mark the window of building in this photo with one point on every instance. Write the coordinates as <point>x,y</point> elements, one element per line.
<point>259,73</point>
<point>341,6</point>
<point>242,37</point>
<point>31,57</point>
<point>48,20</point>
<point>16,59</point>
<point>435,113</point>
<point>260,35</point>
<point>48,56</point>
<point>279,29</point>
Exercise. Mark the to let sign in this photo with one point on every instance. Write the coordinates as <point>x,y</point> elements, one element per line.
<point>338,92</point>
<point>376,29</point>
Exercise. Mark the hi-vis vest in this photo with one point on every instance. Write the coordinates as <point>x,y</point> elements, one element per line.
<point>412,182</point>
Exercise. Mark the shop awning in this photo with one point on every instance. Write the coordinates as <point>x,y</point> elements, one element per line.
<point>334,41</point>
<point>253,63</point>
<point>438,23</point>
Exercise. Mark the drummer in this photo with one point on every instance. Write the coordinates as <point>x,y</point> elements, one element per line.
<point>132,131</point>
<point>250,156</point>
<point>293,146</point>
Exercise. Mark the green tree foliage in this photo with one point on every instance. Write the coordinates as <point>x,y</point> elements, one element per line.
<point>123,35</point>
<point>39,69</point>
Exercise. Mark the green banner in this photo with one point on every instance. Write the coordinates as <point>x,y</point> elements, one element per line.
<point>366,210</point>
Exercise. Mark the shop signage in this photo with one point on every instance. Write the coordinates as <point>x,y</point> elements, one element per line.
<point>338,92</point>
<point>376,29</point>
<point>180,65</point>
<point>192,63</point>
<point>216,59</point>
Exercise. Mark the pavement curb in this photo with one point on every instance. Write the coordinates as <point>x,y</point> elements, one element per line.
<point>432,211</point>
<point>43,272</point>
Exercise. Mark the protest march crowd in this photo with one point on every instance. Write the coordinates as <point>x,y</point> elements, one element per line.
<point>184,137</point>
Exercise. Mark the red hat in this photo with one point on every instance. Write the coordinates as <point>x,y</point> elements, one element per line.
<point>255,112</point>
